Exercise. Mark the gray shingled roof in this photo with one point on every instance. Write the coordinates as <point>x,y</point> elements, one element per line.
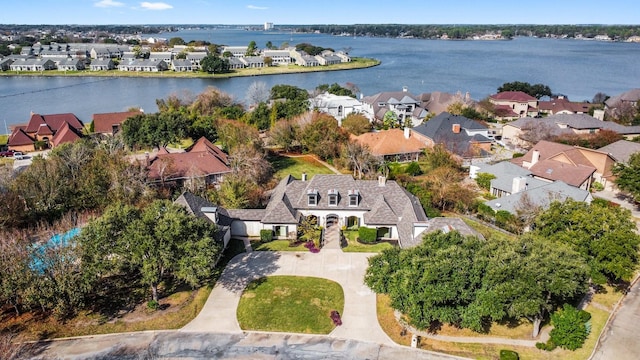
<point>621,150</point>
<point>541,196</point>
<point>383,205</point>
<point>439,129</point>
<point>194,204</point>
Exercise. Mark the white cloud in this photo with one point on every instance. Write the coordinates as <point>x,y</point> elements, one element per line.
<point>108,3</point>
<point>253,7</point>
<point>155,6</point>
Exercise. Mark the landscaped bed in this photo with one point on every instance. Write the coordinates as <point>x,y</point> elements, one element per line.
<point>290,304</point>
<point>353,245</point>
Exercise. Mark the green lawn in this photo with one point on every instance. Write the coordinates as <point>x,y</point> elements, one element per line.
<point>276,245</point>
<point>295,166</point>
<point>354,246</point>
<point>4,139</point>
<point>290,304</point>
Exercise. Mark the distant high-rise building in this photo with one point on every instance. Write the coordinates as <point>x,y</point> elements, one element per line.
<point>268,25</point>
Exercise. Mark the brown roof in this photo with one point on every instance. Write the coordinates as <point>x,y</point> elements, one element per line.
<point>19,137</point>
<point>66,134</point>
<point>202,159</point>
<point>103,123</point>
<point>568,173</point>
<point>55,122</point>
<point>547,149</point>
<point>561,104</point>
<point>518,96</point>
<point>389,142</point>
<point>205,145</point>
<point>44,130</point>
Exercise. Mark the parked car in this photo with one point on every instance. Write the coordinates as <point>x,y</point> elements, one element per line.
<point>18,155</point>
<point>6,153</point>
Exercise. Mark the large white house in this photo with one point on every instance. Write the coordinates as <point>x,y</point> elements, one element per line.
<point>337,106</point>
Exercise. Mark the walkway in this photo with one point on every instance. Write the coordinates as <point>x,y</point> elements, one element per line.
<point>332,238</point>
<point>359,319</point>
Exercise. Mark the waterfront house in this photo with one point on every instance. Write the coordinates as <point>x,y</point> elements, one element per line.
<point>145,65</point>
<point>278,57</point>
<point>110,123</point>
<point>510,105</point>
<point>403,104</point>
<point>463,137</point>
<point>392,145</point>
<point>202,165</point>
<point>181,65</point>
<point>5,64</point>
<point>438,102</point>
<point>33,64</point>
<point>102,65</point>
<point>166,56</point>
<point>195,58</point>
<point>236,51</point>
<point>71,65</point>
<point>49,130</point>
<point>561,105</point>
<point>252,61</point>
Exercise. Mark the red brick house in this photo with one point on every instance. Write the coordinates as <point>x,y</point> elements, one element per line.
<point>50,130</point>
<point>110,123</point>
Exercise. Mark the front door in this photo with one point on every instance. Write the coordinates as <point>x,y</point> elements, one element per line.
<point>332,219</point>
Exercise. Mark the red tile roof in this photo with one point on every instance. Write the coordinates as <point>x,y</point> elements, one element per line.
<point>103,123</point>
<point>517,96</point>
<point>202,159</point>
<point>19,137</point>
<point>66,134</point>
<point>55,122</point>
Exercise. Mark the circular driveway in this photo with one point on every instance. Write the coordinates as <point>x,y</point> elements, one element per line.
<point>359,319</point>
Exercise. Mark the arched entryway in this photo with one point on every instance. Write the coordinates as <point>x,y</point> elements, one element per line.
<point>331,219</point>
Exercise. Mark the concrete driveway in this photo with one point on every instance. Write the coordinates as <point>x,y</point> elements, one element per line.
<point>359,320</point>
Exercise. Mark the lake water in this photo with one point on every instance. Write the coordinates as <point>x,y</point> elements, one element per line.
<point>576,68</point>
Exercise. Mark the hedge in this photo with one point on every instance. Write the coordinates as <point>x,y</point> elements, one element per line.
<point>509,355</point>
<point>367,235</point>
<point>266,235</point>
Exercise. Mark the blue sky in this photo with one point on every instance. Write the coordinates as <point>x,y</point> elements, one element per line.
<point>319,12</point>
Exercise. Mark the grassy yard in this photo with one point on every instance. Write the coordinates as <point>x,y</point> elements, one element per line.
<point>290,304</point>
<point>354,246</point>
<point>4,139</point>
<point>391,326</point>
<point>276,245</point>
<point>295,166</point>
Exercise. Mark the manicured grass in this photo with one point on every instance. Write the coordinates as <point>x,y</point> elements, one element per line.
<point>609,297</point>
<point>295,166</point>
<point>4,139</point>
<point>290,304</point>
<point>276,245</point>
<point>354,246</point>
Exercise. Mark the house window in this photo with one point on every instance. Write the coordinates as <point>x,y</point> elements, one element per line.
<point>354,196</point>
<point>312,198</point>
<point>280,231</point>
<point>333,197</point>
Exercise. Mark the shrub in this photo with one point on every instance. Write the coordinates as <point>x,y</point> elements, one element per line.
<point>484,180</point>
<point>569,329</point>
<point>548,346</point>
<point>596,186</point>
<point>266,235</point>
<point>509,355</point>
<point>413,169</point>
<point>153,305</point>
<point>584,315</point>
<point>367,235</point>
<point>517,155</point>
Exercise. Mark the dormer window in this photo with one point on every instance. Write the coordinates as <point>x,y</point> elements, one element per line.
<point>312,197</point>
<point>332,194</point>
<point>354,197</point>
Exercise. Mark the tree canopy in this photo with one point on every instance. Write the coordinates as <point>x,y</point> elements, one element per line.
<point>628,176</point>
<point>603,234</point>
<point>465,281</point>
<point>536,90</point>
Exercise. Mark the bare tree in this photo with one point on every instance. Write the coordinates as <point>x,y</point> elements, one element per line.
<point>526,211</point>
<point>257,93</point>
<point>359,159</point>
<point>534,131</point>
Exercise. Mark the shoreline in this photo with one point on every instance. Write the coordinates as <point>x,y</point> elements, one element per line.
<point>356,63</point>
